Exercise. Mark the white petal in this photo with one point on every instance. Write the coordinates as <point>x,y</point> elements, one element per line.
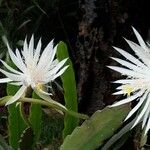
<point>12,76</point>
<point>46,55</point>
<point>137,106</point>
<point>5,80</point>
<point>10,68</point>
<point>15,59</point>
<point>60,72</point>
<point>19,93</point>
<point>56,68</point>
<point>51,66</point>
<point>127,72</point>
<point>139,52</point>
<point>44,92</point>
<point>120,87</point>
<point>145,118</point>
<point>125,81</point>
<point>31,46</point>
<point>53,53</point>
<point>140,40</point>
<point>129,65</point>
<point>37,51</point>
<point>16,83</point>
<point>25,45</point>
<point>130,57</point>
<point>119,93</point>
<point>128,99</point>
<point>147,126</point>
<point>144,109</point>
<point>48,98</point>
<point>22,64</point>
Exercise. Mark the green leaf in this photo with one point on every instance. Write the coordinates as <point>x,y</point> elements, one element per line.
<point>16,124</point>
<point>93,132</point>
<point>70,93</point>
<point>35,118</point>
<point>118,135</point>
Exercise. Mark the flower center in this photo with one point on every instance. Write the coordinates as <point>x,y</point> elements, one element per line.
<point>128,89</point>
<point>39,86</point>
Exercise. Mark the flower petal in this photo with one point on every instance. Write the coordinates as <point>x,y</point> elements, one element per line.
<point>144,109</point>
<point>10,68</point>
<point>131,66</point>
<point>128,99</point>
<point>128,72</point>
<point>56,68</point>
<point>144,56</point>
<point>5,80</point>
<point>12,76</point>
<point>140,39</point>
<point>37,51</point>
<point>15,59</point>
<point>130,57</point>
<point>19,93</point>
<point>137,106</point>
<point>31,46</point>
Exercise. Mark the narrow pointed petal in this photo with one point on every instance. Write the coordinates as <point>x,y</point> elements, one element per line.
<point>53,53</point>
<point>17,95</point>
<point>44,92</point>
<point>128,99</point>
<point>31,46</point>
<point>129,65</point>
<point>130,57</point>
<point>15,59</point>
<point>56,68</point>
<point>37,51</point>
<point>47,52</point>
<point>5,80</point>
<point>139,52</point>
<point>143,111</point>
<point>125,81</point>
<point>145,118</point>
<point>10,68</point>
<point>119,93</point>
<point>127,72</point>
<point>137,106</point>
<point>22,64</point>
<point>147,126</point>
<point>140,39</point>
<point>60,72</point>
<point>12,76</point>
<point>16,83</point>
<point>25,49</point>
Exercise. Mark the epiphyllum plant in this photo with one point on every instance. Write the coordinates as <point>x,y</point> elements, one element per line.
<point>36,70</point>
<point>137,83</point>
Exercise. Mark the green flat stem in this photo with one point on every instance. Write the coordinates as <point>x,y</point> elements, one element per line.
<point>51,103</point>
<point>54,105</point>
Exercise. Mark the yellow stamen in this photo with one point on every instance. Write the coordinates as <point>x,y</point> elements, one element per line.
<point>128,89</point>
<point>39,86</point>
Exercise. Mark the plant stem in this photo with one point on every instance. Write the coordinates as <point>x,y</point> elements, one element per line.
<point>46,102</point>
<point>55,106</point>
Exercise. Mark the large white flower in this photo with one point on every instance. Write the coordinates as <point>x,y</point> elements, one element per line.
<point>36,68</point>
<point>137,83</point>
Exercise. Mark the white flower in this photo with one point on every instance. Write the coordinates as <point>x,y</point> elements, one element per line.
<point>36,68</point>
<point>137,83</point>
